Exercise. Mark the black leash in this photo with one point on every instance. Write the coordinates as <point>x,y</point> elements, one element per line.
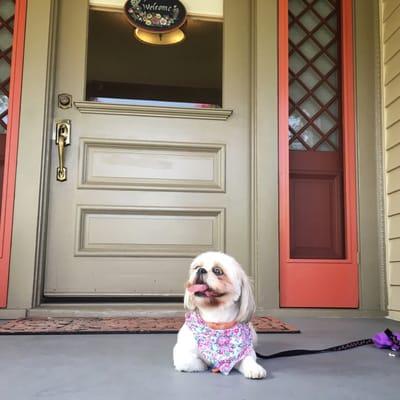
<point>301,352</point>
<point>341,347</point>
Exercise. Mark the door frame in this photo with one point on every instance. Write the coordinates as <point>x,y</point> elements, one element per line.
<point>10,162</point>
<point>317,282</point>
<point>27,261</point>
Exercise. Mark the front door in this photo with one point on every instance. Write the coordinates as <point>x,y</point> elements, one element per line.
<point>158,165</point>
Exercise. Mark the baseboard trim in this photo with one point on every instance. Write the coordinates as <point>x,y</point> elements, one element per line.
<point>12,314</point>
<point>173,310</point>
<point>394,315</point>
<point>107,310</point>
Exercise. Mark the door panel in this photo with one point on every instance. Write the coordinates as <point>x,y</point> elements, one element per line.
<point>146,194</point>
<point>316,205</point>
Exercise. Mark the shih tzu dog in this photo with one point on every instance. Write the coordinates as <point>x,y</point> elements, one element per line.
<point>217,332</point>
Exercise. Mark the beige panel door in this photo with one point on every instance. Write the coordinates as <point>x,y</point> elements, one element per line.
<point>145,194</point>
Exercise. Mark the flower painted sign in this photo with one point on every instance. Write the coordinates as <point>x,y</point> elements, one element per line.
<point>156,16</point>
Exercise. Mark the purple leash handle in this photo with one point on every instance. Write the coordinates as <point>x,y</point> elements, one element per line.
<point>382,340</point>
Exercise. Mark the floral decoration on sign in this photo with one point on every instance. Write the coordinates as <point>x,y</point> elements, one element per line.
<point>156,16</point>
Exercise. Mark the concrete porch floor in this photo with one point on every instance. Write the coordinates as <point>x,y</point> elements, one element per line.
<point>140,367</point>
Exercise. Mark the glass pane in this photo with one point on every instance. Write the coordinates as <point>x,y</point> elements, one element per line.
<point>123,68</point>
<point>325,146</point>
<point>4,70</point>
<point>324,123</point>
<point>296,62</point>
<point>309,78</point>
<point>323,7</point>
<point>296,6</point>
<point>334,138</point>
<point>311,137</point>
<point>309,49</point>
<point>5,39</point>
<point>296,34</point>
<point>296,121</point>
<point>324,64</point>
<point>309,20</point>
<point>296,92</point>
<point>324,93</point>
<point>310,107</point>
<point>333,108</point>
<point>324,36</point>
<point>296,145</point>
<point>7,9</point>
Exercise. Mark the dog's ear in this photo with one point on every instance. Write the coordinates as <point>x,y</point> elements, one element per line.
<point>188,301</point>
<point>247,305</point>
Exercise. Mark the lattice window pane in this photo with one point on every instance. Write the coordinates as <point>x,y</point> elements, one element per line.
<point>7,8</point>
<point>296,34</point>
<point>314,119</point>
<point>296,92</point>
<point>309,107</point>
<point>5,39</point>
<point>311,137</point>
<point>309,20</point>
<point>309,49</point>
<point>296,62</point>
<point>296,6</point>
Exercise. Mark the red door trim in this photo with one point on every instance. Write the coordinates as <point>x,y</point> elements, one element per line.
<point>319,283</point>
<point>10,162</point>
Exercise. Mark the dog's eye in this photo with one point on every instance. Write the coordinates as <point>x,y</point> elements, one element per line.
<point>217,271</point>
<point>197,267</point>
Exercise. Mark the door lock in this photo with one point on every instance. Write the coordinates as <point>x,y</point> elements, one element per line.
<point>63,139</point>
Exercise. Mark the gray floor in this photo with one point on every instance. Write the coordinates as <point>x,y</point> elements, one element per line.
<point>139,367</point>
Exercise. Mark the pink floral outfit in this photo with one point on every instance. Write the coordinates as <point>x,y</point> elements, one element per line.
<point>222,349</point>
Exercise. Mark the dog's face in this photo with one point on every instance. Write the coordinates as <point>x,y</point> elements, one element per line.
<point>217,280</point>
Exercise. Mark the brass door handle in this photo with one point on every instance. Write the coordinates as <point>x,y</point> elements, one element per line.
<point>63,139</point>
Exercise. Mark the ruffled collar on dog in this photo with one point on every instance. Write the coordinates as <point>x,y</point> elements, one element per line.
<point>221,325</point>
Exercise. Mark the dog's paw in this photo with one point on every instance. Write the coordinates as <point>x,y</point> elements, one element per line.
<point>191,365</point>
<point>250,369</point>
<point>254,371</point>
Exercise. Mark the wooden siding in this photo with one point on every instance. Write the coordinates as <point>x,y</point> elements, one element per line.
<point>390,34</point>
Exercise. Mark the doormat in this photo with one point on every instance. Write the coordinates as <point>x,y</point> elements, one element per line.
<point>63,326</point>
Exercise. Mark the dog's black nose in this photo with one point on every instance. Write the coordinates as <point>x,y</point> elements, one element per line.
<point>201,271</point>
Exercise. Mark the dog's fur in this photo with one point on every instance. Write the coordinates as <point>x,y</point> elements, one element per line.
<point>234,302</point>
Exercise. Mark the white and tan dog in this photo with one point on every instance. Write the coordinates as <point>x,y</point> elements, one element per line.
<point>219,295</point>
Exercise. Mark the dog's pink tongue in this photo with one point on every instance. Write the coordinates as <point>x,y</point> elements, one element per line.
<point>198,288</point>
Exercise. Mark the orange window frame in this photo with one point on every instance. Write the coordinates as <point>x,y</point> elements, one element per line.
<point>310,282</point>
<point>10,162</point>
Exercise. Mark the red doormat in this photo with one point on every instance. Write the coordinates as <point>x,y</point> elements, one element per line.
<point>120,325</point>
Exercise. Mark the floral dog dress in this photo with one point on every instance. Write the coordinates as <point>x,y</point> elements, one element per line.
<point>222,349</point>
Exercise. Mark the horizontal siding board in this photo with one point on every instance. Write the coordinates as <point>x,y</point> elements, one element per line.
<point>393,203</point>
<point>392,91</point>
<point>392,46</point>
<point>394,227</point>
<point>394,250</point>
<point>395,315</point>
<point>393,158</point>
<point>393,180</point>
<point>394,273</point>
<point>394,298</point>
<point>393,135</point>
<point>389,6</point>
<point>393,112</point>
<point>392,68</point>
<point>391,25</point>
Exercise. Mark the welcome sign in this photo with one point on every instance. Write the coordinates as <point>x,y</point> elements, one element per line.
<point>156,16</point>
